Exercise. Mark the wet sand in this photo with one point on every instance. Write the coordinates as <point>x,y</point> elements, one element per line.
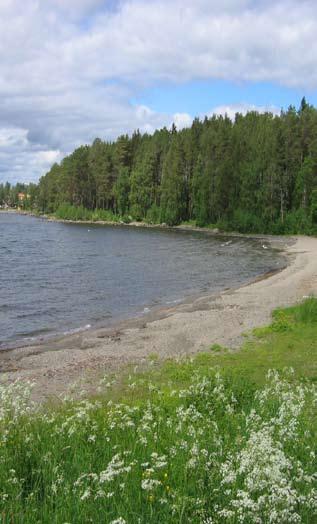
<point>54,365</point>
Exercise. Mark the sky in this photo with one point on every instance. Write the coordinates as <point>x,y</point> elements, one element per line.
<point>74,70</point>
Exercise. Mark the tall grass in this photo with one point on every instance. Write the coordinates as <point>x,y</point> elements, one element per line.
<point>307,313</point>
<point>187,444</point>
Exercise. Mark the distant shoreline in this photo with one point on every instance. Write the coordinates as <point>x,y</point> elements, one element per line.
<point>139,224</point>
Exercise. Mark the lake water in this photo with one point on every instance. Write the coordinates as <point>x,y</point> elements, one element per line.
<point>57,277</point>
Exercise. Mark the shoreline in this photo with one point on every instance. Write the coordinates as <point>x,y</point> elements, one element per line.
<point>277,243</point>
<point>181,227</point>
<point>166,332</point>
<point>157,312</point>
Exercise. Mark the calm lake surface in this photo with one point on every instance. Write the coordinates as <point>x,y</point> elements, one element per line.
<point>55,278</point>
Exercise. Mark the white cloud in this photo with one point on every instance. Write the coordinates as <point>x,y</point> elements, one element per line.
<point>243,109</point>
<point>20,159</point>
<point>182,120</point>
<point>68,69</point>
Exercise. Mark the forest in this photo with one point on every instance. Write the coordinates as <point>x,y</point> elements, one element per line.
<point>256,173</point>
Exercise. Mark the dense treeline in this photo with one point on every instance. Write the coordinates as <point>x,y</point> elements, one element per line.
<point>257,173</point>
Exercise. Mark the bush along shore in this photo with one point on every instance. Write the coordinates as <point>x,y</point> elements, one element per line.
<point>69,213</point>
<point>225,437</point>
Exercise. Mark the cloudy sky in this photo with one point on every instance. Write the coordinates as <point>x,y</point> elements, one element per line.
<point>73,70</point>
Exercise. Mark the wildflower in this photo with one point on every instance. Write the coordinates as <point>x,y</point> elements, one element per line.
<point>150,484</point>
<point>86,494</point>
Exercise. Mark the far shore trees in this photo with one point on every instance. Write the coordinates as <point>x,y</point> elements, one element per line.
<point>257,173</point>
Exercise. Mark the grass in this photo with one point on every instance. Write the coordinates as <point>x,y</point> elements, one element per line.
<point>219,438</point>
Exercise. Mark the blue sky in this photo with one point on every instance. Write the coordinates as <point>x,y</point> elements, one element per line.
<point>199,96</point>
<point>74,70</point>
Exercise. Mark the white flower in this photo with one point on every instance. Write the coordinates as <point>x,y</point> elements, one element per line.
<point>86,494</point>
<point>150,484</point>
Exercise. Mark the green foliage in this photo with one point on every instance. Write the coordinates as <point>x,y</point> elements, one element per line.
<point>68,212</point>
<point>173,186</point>
<point>314,208</point>
<point>221,437</point>
<point>216,348</point>
<point>79,213</point>
<point>201,194</point>
<point>121,191</point>
<point>153,215</point>
<point>257,174</point>
<point>143,185</point>
<point>103,215</point>
<point>281,322</point>
<point>295,222</point>
<point>246,222</point>
<point>307,311</point>
<point>10,196</point>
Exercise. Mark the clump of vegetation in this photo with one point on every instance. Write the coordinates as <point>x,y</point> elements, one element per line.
<point>69,212</point>
<point>307,313</point>
<point>215,439</point>
<point>79,213</point>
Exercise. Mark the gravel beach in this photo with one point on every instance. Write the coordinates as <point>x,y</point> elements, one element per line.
<point>176,331</point>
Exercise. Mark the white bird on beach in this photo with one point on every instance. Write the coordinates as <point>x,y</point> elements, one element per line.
<point>226,243</point>
<point>264,247</point>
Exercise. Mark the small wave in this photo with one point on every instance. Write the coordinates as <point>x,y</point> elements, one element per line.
<point>27,315</point>
<point>33,335</point>
<point>77,330</point>
<point>177,301</point>
<point>37,336</point>
<point>36,314</point>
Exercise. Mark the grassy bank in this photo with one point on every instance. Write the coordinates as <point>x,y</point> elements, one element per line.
<point>221,438</point>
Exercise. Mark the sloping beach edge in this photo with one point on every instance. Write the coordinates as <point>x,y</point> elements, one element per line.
<point>176,331</point>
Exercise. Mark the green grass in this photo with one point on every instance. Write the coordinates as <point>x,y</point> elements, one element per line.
<point>289,342</point>
<point>218,438</point>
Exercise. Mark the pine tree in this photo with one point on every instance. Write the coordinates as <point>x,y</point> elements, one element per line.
<point>173,187</point>
<point>121,192</point>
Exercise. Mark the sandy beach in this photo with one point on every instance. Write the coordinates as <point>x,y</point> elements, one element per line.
<point>185,329</point>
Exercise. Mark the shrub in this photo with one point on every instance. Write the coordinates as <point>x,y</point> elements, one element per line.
<point>68,212</point>
<point>153,215</point>
<point>246,222</point>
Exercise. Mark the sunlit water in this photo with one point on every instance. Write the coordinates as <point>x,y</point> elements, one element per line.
<point>57,277</point>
